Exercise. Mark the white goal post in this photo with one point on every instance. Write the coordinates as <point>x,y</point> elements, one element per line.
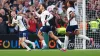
<point>87,13</point>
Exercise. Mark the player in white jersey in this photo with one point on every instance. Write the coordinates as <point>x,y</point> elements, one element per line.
<point>45,17</point>
<point>72,28</point>
<point>23,34</point>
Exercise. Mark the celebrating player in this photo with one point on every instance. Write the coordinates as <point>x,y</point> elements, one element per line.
<point>45,17</point>
<point>72,27</point>
<point>23,34</point>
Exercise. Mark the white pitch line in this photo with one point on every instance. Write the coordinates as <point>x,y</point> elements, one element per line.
<point>86,49</point>
<point>54,50</point>
<point>31,50</point>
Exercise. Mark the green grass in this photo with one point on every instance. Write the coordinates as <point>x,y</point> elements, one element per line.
<point>49,52</point>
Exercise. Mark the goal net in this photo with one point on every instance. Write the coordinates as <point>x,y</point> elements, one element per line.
<point>88,10</point>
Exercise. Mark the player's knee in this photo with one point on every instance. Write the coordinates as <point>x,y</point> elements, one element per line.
<point>67,33</point>
<point>20,41</point>
<point>51,35</point>
<point>38,34</point>
<point>77,32</point>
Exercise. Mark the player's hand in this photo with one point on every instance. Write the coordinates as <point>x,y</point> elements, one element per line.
<point>66,20</point>
<point>72,14</point>
<point>9,24</point>
<point>34,9</point>
<point>28,26</point>
<point>46,21</point>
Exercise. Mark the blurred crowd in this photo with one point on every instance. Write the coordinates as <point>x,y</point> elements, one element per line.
<point>25,8</point>
<point>93,9</point>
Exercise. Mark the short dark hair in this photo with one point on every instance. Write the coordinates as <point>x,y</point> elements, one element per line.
<point>71,3</point>
<point>27,11</point>
<point>44,6</point>
<point>0,15</point>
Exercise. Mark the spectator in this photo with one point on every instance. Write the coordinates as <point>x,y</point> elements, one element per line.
<point>26,6</point>
<point>7,9</point>
<point>98,18</point>
<point>56,15</point>
<point>94,25</point>
<point>15,9</point>
<point>32,24</point>
<point>52,2</point>
<point>0,6</point>
<point>4,16</point>
<point>41,1</point>
<point>20,9</point>
<point>3,27</point>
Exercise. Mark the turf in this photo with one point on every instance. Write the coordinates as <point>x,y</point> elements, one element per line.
<point>49,52</point>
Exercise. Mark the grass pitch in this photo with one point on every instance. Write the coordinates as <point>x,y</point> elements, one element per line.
<point>49,52</point>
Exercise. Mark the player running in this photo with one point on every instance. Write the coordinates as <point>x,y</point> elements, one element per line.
<point>72,27</point>
<point>45,17</point>
<point>23,34</point>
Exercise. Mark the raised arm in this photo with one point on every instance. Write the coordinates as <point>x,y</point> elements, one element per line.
<point>50,17</point>
<point>37,14</point>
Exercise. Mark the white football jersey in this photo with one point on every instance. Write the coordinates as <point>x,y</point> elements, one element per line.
<point>46,15</point>
<point>19,23</point>
<point>73,21</point>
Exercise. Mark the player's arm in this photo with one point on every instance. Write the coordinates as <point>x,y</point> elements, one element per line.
<point>72,15</point>
<point>11,24</point>
<point>26,20</point>
<point>37,14</point>
<point>65,19</point>
<point>50,16</point>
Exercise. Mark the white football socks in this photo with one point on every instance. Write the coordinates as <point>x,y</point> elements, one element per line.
<point>59,42</point>
<point>66,42</point>
<point>83,37</point>
<point>28,41</point>
<point>25,45</point>
<point>43,42</point>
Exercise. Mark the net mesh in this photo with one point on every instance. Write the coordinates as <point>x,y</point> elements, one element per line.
<point>91,14</point>
<point>92,8</point>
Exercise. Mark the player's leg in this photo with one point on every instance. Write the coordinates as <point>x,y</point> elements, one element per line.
<point>24,43</point>
<point>42,39</point>
<point>69,31</point>
<point>77,33</point>
<point>55,38</point>
<point>21,39</point>
<point>26,40</point>
<point>30,42</point>
<point>66,40</point>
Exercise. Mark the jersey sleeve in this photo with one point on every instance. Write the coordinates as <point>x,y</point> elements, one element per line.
<point>12,21</point>
<point>37,14</point>
<point>19,17</point>
<point>69,11</point>
<point>50,16</point>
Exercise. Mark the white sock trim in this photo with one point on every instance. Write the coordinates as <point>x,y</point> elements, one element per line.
<point>28,41</point>
<point>66,41</point>
<point>58,41</point>
<point>83,37</point>
<point>25,45</point>
<point>43,42</point>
